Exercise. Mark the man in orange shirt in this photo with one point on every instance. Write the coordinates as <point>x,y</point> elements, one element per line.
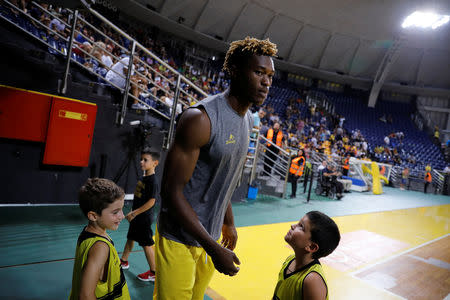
<point>276,139</point>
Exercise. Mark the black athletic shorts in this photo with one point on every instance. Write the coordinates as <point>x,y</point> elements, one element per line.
<point>141,231</point>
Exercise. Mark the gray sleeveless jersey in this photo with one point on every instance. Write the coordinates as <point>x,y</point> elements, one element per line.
<point>216,173</point>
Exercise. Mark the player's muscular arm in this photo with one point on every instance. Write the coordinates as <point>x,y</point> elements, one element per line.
<point>193,132</point>
<point>93,270</point>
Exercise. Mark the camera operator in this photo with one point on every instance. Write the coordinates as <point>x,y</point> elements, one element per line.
<point>330,173</point>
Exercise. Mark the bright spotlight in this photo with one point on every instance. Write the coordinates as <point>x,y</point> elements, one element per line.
<point>425,20</point>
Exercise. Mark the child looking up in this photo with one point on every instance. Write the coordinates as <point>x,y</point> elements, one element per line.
<point>301,277</point>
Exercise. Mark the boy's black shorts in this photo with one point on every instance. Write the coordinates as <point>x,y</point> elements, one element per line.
<point>141,231</point>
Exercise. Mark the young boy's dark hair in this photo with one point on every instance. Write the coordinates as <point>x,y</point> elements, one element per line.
<point>154,154</point>
<point>324,232</point>
<point>97,193</point>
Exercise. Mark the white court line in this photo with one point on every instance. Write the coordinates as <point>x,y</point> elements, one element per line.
<point>378,287</point>
<point>432,261</point>
<point>353,274</point>
<point>397,255</point>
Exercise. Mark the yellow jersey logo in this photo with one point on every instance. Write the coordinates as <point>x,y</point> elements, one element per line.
<point>231,140</point>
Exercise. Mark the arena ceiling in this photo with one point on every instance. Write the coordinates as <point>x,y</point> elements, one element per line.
<point>346,37</point>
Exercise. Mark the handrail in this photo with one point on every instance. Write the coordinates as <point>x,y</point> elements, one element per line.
<point>34,19</point>
<point>262,137</point>
<point>145,50</point>
<point>140,45</point>
<point>48,12</point>
<point>280,166</point>
<point>69,54</point>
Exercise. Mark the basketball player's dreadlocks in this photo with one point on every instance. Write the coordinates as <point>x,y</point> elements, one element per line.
<point>245,48</point>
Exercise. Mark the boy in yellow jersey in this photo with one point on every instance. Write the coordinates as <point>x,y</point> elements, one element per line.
<point>96,272</point>
<point>301,277</point>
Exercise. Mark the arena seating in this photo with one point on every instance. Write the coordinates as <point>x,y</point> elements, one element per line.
<point>359,116</point>
<point>353,108</point>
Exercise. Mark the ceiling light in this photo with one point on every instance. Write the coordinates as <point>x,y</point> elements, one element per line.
<point>425,20</point>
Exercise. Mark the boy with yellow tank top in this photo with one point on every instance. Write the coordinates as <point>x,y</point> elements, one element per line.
<point>96,272</point>
<point>301,277</point>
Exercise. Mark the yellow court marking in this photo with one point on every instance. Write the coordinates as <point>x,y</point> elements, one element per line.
<point>262,249</point>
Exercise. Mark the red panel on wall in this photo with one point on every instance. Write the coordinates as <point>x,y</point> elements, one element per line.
<point>23,115</point>
<point>70,132</point>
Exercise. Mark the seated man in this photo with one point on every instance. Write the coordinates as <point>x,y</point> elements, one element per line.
<point>331,173</point>
<point>322,167</point>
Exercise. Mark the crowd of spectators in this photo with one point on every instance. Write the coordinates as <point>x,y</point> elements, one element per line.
<point>317,131</point>
<point>104,51</point>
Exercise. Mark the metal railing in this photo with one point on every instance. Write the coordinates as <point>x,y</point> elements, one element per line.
<point>253,151</point>
<point>278,162</point>
<point>438,180</point>
<point>133,83</point>
<point>416,179</point>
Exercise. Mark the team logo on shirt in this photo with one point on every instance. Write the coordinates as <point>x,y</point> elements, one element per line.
<point>230,140</point>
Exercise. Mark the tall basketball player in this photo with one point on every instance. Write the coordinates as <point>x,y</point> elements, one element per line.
<point>200,175</point>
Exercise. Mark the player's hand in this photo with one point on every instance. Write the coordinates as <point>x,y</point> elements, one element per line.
<point>130,216</point>
<point>224,261</point>
<point>229,236</point>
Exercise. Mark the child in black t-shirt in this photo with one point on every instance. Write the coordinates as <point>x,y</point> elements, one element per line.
<point>140,217</point>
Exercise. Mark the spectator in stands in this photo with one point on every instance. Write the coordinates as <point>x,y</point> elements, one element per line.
<point>300,126</point>
<point>117,76</point>
<point>81,36</point>
<point>437,140</point>
<point>201,171</point>
<point>341,121</point>
<point>169,99</point>
<point>100,51</point>
<point>446,169</point>
<point>274,118</point>
<point>257,116</point>
<point>322,167</point>
<point>58,24</point>
<point>389,119</point>
<point>275,137</point>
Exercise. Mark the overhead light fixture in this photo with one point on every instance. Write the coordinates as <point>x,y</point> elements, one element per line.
<point>425,20</point>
